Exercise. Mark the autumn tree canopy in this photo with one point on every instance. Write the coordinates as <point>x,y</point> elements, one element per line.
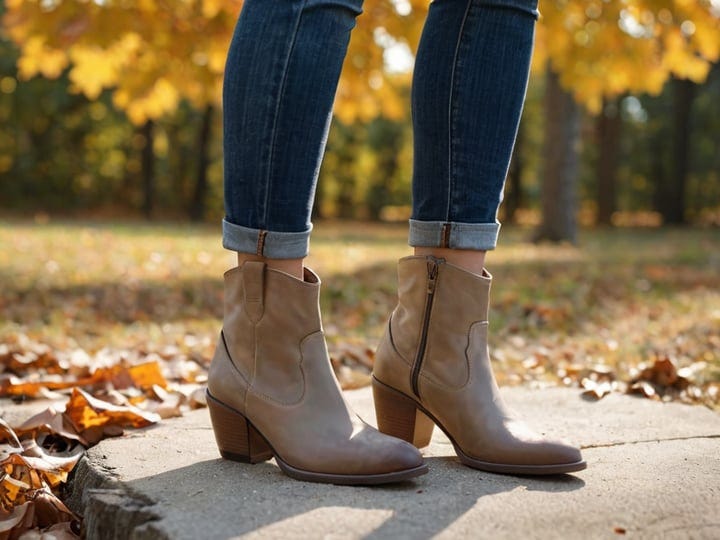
<point>606,48</point>
<point>153,53</point>
<point>150,53</point>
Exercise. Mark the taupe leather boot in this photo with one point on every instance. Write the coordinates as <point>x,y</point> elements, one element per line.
<point>432,367</point>
<point>272,392</point>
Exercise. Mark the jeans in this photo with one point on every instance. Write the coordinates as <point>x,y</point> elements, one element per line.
<point>468,91</point>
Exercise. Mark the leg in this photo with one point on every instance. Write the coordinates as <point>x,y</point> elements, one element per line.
<point>468,91</point>
<point>281,76</point>
<point>433,366</point>
<point>271,389</point>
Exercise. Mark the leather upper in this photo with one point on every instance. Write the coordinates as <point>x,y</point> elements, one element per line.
<point>273,367</point>
<point>456,383</point>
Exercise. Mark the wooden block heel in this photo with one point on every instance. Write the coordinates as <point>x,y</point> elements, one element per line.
<point>398,415</point>
<point>236,438</point>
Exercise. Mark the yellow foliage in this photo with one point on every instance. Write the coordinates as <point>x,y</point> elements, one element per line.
<point>151,53</point>
<point>38,58</point>
<point>605,48</point>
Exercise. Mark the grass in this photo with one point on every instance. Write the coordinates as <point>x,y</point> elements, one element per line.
<point>622,298</point>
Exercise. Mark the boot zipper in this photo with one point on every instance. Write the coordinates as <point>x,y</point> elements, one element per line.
<point>432,270</point>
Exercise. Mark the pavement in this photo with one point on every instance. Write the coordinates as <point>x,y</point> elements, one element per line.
<point>653,472</point>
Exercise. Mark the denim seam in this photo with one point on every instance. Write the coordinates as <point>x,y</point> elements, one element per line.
<point>451,111</point>
<point>280,96</point>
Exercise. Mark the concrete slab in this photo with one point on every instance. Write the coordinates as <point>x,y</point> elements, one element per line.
<point>653,471</point>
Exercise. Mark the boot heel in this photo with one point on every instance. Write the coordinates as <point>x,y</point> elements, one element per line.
<point>236,438</point>
<point>398,415</point>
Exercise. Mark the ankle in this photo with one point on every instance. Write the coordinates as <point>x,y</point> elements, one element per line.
<point>467,259</point>
<point>294,267</point>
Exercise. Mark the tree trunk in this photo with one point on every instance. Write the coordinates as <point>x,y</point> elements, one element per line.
<point>177,159</point>
<point>609,127</point>
<point>317,206</point>
<point>513,191</point>
<point>197,204</point>
<point>560,170</point>
<point>147,161</point>
<point>674,207</point>
<point>385,139</point>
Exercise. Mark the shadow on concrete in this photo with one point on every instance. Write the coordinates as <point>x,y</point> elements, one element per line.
<point>232,499</point>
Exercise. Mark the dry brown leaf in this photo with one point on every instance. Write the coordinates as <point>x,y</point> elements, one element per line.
<point>643,388</point>
<point>141,376</point>
<point>167,404</point>
<point>14,518</point>
<point>54,467</point>
<point>662,373</point>
<point>198,398</point>
<point>662,381</point>
<point>48,421</point>
<point>59,531</point>
<point>10,489</point>
<point>86,411</point>
<point>596,390</point>
<point>8,434</point>
<point>147,375</point>
<point>184,370</point>
<point>357,354</point>
<point>96,434</point>
<point>351,379</point>
<point>50,510</point>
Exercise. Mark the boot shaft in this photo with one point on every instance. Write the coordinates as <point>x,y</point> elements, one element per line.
<point>430,329</point>
<point>268,315</point>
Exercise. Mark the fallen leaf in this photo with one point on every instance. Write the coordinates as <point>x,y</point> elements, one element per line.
<point>86,411</point>
<point>14,518</point>
<point>643,388</point>
<point>596,390</point>
<point>48,421</point>
<point>49,510</point>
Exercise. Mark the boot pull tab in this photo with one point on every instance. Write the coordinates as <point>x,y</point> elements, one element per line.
<point>253,286</point>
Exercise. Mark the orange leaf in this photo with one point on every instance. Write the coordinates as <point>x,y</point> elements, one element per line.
<point>50,421</point>
<point>86,411</point>
<point>146,375</point>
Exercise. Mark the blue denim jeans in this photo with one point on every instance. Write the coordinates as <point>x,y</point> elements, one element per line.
<point>282,70</point>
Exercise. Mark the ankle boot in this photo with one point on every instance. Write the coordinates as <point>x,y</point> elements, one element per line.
<point>432,368</point>
<point>272,393</point>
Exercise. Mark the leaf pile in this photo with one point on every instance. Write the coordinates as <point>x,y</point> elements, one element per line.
<point>104,395</point>
<point>34,461</point>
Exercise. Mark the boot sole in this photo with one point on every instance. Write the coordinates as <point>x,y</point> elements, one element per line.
<point>403,417</point>
<point>239,440</point>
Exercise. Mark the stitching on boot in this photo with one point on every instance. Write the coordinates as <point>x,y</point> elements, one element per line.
<point>431,379</point>
<point>391,339</point>
<point>253,285</point>
<point>270,399</point>
<point>232,360</point>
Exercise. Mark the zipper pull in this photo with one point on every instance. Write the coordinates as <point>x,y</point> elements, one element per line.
<point>433,266</point>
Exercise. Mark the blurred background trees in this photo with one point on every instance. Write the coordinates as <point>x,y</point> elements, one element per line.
<point>111,108</point>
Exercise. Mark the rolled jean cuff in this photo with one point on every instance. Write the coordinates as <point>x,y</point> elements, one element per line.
<point>270,244</point>
<point>441,234</point>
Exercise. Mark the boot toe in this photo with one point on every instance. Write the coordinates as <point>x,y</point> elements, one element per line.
<point>402,455</point>
<point>380,453</point>
<point>557,453</point>
<point>547,453</point>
